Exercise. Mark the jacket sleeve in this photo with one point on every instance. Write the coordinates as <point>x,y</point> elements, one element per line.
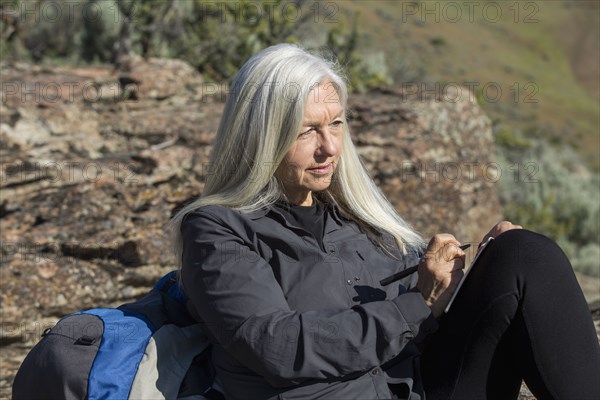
<point>234,291</point>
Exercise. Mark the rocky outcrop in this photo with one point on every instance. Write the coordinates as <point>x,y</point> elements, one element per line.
<point>95,161</point>
<point>433,158</point>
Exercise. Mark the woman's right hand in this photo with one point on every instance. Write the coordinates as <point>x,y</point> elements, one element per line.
<point>440,271</point>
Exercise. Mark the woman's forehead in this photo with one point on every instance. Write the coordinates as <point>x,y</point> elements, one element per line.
<point>318,113</point>
<point>323,95</point>
<point>325,90</point>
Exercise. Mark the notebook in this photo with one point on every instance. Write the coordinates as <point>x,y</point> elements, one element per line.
<point>479,252</point>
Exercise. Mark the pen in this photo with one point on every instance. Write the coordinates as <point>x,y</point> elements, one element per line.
<point>408,271</point>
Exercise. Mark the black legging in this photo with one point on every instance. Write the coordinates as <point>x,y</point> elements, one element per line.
<point>519,315</point>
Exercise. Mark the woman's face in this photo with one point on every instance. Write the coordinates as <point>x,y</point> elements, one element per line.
<point>309,164</point>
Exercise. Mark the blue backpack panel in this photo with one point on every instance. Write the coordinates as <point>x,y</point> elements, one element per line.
<point>151,348</point>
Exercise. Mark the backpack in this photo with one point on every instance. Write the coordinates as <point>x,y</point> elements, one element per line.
<point>149,349</point>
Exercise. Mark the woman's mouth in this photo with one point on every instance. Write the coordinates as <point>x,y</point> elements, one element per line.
<point>321,170</point>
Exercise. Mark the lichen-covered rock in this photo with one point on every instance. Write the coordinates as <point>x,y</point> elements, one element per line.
<point>434,159</point>
<point>156,78</point>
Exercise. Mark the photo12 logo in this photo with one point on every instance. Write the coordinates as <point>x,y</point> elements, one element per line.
<point>254,12</point>
<point>61,12</point>
<point>470,11</point>
<point>56,92</point>
<point>66,172</point>
<point>486,92</point>
<point>467,171</point>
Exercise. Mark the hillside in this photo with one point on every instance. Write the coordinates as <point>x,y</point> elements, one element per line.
<point>535,66</point>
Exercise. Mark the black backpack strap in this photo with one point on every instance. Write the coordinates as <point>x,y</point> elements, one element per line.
<point>172,280</point>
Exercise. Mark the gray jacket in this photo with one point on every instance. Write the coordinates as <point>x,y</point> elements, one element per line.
<point>289,321</point>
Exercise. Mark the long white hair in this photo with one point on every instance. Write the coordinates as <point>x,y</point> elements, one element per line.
<point>262,117</point>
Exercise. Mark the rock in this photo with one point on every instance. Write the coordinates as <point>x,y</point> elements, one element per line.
<point>433,159</point>
<point>28,132</point>
<point>157,78</point>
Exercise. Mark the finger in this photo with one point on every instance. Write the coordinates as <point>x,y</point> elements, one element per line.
<point>499,228</point>
<point>439,240</point>
<point>451,251</point>
<point>458,264</point>
<point>507,227</point>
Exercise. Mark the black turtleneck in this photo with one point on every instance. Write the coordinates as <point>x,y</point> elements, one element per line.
<point>310,218</point>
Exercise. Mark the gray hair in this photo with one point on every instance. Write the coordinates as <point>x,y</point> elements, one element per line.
<point>261,120</point>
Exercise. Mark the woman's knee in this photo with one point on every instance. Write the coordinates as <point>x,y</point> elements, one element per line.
<point>528,249</point>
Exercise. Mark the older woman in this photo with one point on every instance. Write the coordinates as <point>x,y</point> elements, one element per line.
<point>283,254</point>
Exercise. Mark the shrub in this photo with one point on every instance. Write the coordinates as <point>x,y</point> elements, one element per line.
<point>363,72</point>
<point>549,190</point>
<point>217,37</point>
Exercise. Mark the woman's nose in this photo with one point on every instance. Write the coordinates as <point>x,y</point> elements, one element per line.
<point>328,145</point>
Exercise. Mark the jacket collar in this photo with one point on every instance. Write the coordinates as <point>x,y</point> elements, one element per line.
<point>274,212</point>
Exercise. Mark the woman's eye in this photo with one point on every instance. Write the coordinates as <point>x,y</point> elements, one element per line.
<point>306,132</point>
